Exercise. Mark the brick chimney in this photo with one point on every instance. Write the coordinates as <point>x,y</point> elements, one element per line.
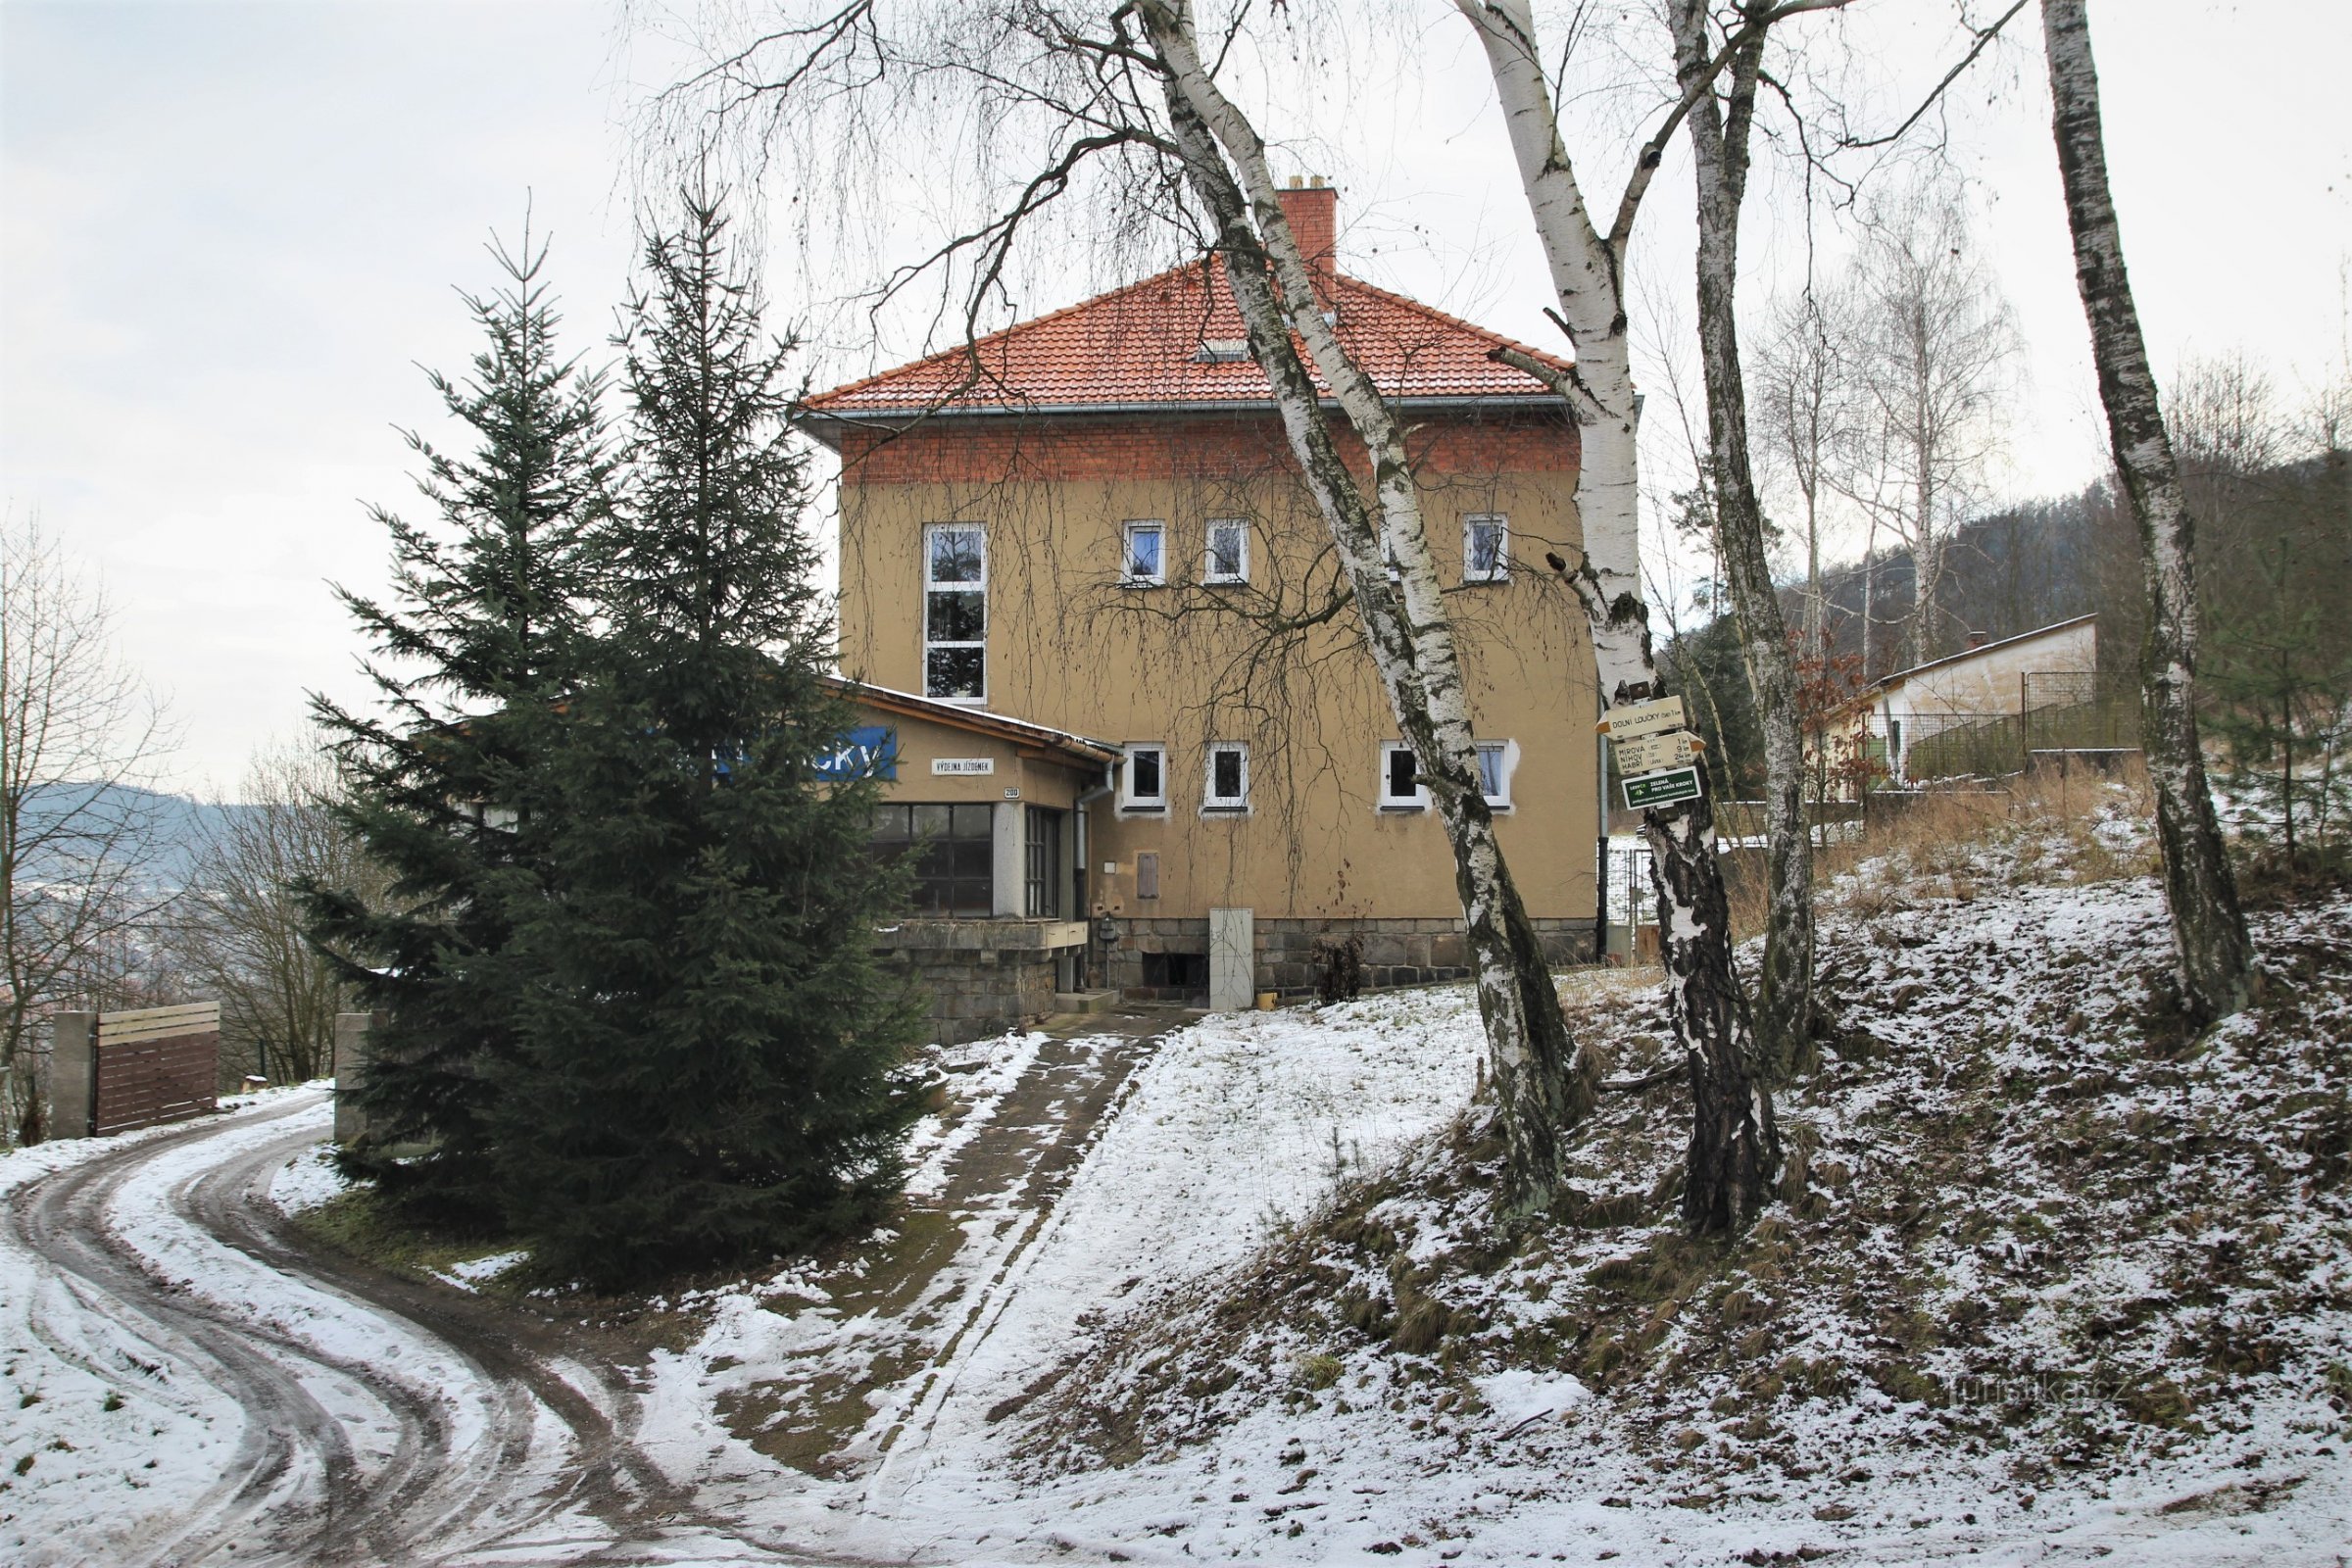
<point>1313,211</point>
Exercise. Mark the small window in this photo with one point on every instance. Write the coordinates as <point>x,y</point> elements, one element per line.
<point>1228,552</point>
<point>1495,759</point>
<point>1144,786</point>
<point>1486,547</point>
<point>1399,778</point>
<point>1227,784</point>
<point>1147,557</point>
<point>1221,351</point>
<point>1146,874</point>
<point>955,613</point>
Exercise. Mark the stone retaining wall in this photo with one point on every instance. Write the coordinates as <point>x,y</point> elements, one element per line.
<point>1396,953</point>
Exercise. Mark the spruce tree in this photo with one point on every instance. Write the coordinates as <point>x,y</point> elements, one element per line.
<point>481,633</point>
<point>709,1071</point>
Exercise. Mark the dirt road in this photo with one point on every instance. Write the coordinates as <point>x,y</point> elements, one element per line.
<point>386,1420</point>
<point>358,1415</point>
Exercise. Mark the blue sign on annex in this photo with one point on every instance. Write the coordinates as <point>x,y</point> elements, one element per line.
<point>870,750</point>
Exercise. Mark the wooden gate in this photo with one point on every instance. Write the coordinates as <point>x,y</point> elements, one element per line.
<point>149,1066</point>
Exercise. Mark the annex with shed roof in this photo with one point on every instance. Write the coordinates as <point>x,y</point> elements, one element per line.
<point>1092,523</point>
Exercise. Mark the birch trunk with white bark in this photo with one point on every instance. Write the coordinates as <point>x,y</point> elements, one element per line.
<point>1734,1145</point>
<point>1543,1083</point>
<point>2209,931</point>
<point>1719,144</point>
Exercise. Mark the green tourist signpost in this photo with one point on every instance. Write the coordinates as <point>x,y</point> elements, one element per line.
<point>1661,789</point>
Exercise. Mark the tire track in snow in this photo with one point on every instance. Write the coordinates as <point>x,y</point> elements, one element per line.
<point>472,1442</point>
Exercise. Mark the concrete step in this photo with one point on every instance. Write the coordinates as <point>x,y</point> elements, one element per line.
<point>1085,1000</point>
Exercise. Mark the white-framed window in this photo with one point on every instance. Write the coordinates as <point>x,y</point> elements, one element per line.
<point>956,611</point>
<point>1401,788</point>
<point>1145,561</point>
<point>1225,781</point>
<point>1228,556</point>
<point>1498,761</point>
<point>1144,781</point>
<point>1486,547</point>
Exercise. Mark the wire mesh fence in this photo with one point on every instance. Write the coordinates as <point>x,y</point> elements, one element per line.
<point>2058,713</point>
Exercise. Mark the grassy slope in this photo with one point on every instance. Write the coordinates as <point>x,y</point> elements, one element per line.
<point>2040,1255</point>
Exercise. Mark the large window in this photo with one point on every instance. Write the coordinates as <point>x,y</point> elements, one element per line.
<point>955,855</point>
<point>1144,784</point>
<point>1226,787</point>
<point>1400,778</point>
<point>1486,547</point>
<point>1228,558</point>
<point>1145,562</point>
<point>956,611</point>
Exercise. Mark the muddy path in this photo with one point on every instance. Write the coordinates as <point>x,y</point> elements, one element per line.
<point>381,1417</point>
<point>386,1419</point>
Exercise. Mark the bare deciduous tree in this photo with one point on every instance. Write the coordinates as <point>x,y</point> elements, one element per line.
<point>240,927</point>
<point>80,738</point>
<point>1931,350</point>
<point>2209,932</point>
<point>1800,383</point>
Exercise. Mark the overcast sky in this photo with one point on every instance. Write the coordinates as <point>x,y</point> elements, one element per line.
<point>232,232</point>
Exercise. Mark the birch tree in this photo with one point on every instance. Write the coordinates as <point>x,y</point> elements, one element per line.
<point>1799,380</point>
<point>1114,82</point>
<point>1734,1145</point>
<point>2212,953</point>
<point>1539,1082</point>
<point>1932,347</point>
<point>1719,128</point>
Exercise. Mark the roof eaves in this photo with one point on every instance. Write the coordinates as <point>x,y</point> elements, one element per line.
<point>977,720</point>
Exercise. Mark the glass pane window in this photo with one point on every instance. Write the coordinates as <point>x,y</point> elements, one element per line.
<point>1146,553</point>
<point>1494,772</point>
<point>953,854</point>
<point>1228,552</point>
<point>1486,548</point>
<point>958,674</point>
<point>958,555</point>
<point>956,617</point>
<point>1399,781</point>
<point>1146,780</point>
<point>1228,781</point>
<point>1041,849</point>
<point>955,613</point>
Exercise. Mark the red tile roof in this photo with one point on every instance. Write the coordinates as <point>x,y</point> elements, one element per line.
<point>1143,344</point>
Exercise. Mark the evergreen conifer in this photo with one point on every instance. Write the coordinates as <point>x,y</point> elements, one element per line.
<point>709,1071</point>
<point>481,634</point>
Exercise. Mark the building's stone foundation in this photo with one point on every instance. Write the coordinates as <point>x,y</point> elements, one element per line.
<point>1395,953</point>
<point>983,976</point>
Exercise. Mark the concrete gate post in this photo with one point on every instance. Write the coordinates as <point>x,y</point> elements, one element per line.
<point>351,1071</point>
<point>73,1073</point>
<point>1232,959</point>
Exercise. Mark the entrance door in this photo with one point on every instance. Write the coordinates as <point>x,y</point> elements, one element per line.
<point>1041,839</point>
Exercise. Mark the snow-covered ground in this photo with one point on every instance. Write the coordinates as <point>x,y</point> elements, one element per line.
<point>1238,1127</point>
<point>1158,1367</point>
<point>1225,1427</point>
